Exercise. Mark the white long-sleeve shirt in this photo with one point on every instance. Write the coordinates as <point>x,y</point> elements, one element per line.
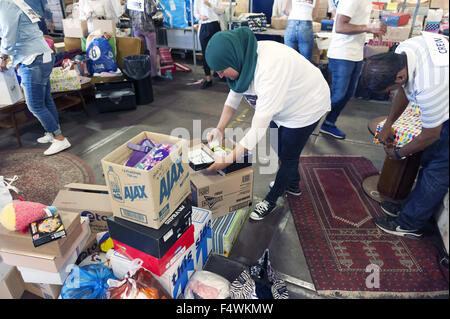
<point>213,12</point>
<point>286,88</point>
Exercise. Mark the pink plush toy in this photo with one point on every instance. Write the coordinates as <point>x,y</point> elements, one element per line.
<point>17,215</point>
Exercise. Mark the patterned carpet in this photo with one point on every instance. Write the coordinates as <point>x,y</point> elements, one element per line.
<point>40,176</point>
<point>347,255</point>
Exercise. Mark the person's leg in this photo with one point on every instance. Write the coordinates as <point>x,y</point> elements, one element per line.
<point>293,142</point>
<point>290,35</point>
<point>431,187</point>
<point>150,43</point>
<point>306,39</point>
<point>204,38</point>
<point>140,35</point>
<point>341,77</point>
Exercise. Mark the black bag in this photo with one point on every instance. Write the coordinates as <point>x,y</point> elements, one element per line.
<point>115,96</point>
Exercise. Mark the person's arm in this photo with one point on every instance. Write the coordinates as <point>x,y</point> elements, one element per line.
<point>399,105</point>
<point>9,24</point>
<point>286,7</point>
<point>427,137</point>
<point>344,26</point>
<point>196,10</point>
<point>218,9</point>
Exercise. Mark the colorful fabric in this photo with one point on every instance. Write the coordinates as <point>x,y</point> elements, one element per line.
<point>406,128</point>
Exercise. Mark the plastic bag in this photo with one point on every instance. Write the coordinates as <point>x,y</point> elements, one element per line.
<point>101,57</point>
<point>207,285</point>
<point>137,66</point>
<point>138,283</point>
<point>174,13</point>
<point>5,186</point>
<point>87,282</point>
<point>259,281</point>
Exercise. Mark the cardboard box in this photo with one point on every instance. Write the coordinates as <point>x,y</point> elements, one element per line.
<point>158,266</point>
<point>91,247</point>
<point>10,92</point>
<point>59,47</point>
<point>154,242</point>
<point>75,28</point>
<point>147,197</point>
<point>174,280</point>
<point>44,291</point>
<point>370,50</point>
<point>397,34</point>
<point>222,194</point>
<point>89,200</point>
<point>108,26</point>
<point>439,4</point>
<point>46,263</point>
<point>226,229</point>
<point>11,282</point>
<point>22,243</point>
<point>30,274</point>
<point>279,23</point>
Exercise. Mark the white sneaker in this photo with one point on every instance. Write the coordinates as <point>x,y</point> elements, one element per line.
<point>47,138</point>
<point>57,146</point>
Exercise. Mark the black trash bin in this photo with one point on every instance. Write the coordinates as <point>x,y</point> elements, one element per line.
<point>138,69</point>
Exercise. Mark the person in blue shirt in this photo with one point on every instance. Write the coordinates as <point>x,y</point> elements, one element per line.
<point>41,7</point>
<point>24,44</point>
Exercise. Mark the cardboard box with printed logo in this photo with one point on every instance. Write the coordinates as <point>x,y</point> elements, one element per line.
<point>147,197</point>
<point>194,258</point>
<point>221,194</point>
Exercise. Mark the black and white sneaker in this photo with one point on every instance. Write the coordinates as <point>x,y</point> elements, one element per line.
<point>391,209</point>
<point>293,190</point>
<point>389,225</point>
<point>262,209</point>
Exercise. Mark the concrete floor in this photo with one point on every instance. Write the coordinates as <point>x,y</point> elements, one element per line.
<point>177,104</point>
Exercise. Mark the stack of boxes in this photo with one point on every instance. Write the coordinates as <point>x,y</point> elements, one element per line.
<point>164,216</point>
<point>44,268</point>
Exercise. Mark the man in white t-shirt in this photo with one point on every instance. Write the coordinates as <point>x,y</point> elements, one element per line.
<point>288,93</point>
<point>345,56</point>
<point>419,69</point>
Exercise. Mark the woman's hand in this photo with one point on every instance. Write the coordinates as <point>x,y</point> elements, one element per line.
<point>3,62</point>
<point>215,134</point>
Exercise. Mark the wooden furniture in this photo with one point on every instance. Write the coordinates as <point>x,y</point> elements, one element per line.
<point>14,115</point>
<point>396,177</point>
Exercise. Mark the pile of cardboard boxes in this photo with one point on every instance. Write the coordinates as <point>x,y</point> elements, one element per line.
<point>171,217</point>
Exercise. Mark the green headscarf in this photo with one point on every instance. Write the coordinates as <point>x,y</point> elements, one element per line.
<point>235,49</point>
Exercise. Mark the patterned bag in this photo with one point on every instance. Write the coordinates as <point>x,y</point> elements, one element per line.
<point>260,281</point>
<point>407,127</point>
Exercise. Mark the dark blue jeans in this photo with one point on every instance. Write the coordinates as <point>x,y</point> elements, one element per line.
<point>431,187</point>
<point>290,145</point>
<point>344,80</point>
<point>299,36</point>
<point>36,87</point>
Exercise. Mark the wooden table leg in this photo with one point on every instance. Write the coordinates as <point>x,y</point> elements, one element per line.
<point>83,103</point>
<point>16,128</point>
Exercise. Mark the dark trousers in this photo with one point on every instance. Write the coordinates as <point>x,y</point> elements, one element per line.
<point>431,187</point>
<point>207,30</point>
<point>290,145</point>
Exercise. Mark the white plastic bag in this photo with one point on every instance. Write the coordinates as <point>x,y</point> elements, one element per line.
<point>5,186</point>
<point>207,285</point>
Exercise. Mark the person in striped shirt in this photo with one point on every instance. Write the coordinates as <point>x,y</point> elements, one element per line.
<point>419,70</point>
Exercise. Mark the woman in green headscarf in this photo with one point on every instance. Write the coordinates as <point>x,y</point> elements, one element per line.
<point>288,93</point>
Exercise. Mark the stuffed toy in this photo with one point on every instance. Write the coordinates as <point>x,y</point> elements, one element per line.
<point>17,215</point>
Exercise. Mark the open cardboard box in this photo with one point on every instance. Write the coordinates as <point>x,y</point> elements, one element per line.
<point>147,197</point>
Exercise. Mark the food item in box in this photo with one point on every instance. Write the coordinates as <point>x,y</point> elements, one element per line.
<point>47,229</point>
<point>18,215</point>
<point>139,151</point>
<point>138,283</point>
<point>199,159</point>
<point>156,155</point>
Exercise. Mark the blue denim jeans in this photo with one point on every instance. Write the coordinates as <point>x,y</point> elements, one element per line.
<point>299,36</point>
<point>431,186</point>
<point>344,80</point>
<point>290,144</point>
<point>36,87</point>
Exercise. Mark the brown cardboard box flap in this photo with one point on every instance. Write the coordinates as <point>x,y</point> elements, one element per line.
<point>11,282</point>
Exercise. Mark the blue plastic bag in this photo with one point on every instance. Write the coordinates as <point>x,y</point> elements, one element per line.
<point>87,282</point>
<point>174,13</point>
<point>101,57</point>
<point>189,12</point>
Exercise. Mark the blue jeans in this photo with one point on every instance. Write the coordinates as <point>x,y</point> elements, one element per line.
<point>344,80</point>
<point>290,145</point>
<point>36,87</point>
<point>299,36</point>
<point>431,187</point>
